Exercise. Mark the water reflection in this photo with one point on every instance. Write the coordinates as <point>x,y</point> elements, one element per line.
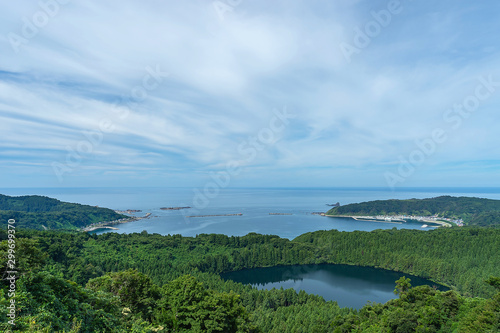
<point>350,286</point>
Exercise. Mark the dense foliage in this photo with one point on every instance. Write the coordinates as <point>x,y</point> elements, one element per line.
<point>486,219</point>
<point>469,209</point>
<point>146,283</point>
<point>39,212</point>
<point>458,257</point>
<point>423,309</point>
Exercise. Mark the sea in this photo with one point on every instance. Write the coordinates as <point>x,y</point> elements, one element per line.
<point>286,212</point>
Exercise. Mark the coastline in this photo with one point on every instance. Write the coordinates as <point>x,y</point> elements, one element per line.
<point>109,224</point>
<point>368,219</point>
<point>98,228</point>
<point>390,220</point>
<point>441,223</point>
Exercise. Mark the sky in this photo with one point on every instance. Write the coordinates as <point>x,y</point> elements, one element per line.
<point>234,93</point>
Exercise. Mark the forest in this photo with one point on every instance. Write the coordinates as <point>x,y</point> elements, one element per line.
<point>80,282</point>
<point>40,212</point>
<point>473,211</point>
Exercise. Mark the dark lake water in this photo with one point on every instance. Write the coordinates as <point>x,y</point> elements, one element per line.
<point>349,286</point>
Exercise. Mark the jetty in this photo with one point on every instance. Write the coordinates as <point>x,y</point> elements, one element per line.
<point>174,208</point>
<point>216,215</point>
<point>280,214</point>
<point>378,219</point>
<point>128,211</point>
<point>385,219</point>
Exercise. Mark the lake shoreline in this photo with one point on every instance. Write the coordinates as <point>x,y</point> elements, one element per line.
<point>332,281</point>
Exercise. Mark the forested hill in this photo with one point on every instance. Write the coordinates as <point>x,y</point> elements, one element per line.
<point>474,211</point>
<point>140,282</point>
<point>37,212</point>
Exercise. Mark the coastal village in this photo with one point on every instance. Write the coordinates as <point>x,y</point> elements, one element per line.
<point>429,219</point>
<point>434,219</point>
<point>443,221</point>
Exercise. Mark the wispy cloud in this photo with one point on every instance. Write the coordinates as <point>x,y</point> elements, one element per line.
<point>88,65</point>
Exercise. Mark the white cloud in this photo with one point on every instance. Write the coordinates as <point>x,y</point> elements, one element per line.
<point>226,76</point>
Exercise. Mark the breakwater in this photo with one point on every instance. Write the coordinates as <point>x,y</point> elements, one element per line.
<point>174,208</point>
<point>216,215</point>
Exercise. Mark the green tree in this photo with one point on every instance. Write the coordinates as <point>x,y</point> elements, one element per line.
<point>494,282</point>
<point>187,306</point>
<point>136,291</point>
<point>402,286</point>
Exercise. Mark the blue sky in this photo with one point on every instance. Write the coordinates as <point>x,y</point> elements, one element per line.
<point>249,93</point>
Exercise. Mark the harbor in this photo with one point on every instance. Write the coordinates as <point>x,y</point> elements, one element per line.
<point>396,219</point>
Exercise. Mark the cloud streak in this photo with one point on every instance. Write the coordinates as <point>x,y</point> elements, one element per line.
<point>225,78</point>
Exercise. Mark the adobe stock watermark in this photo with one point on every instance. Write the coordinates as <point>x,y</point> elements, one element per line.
<point>454,117</point>
<point>372,29</point>
<point>248,150</point>
<point>11,271</point>
<point>32,25</point>
<point>224,7</point>
<point>93,139</point>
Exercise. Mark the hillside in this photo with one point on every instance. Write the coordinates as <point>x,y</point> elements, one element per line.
<point>37,212</point>
<point>80,282</point>
<point>474,211</point>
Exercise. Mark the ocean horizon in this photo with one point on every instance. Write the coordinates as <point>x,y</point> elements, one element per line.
<point>286,212</point>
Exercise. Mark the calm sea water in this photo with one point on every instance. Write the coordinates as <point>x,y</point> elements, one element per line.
<point>255,205</point>
<point>349,286</point>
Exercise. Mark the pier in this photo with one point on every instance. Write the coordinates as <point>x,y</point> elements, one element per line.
<point>174,208</point>
<point>216,215</point>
